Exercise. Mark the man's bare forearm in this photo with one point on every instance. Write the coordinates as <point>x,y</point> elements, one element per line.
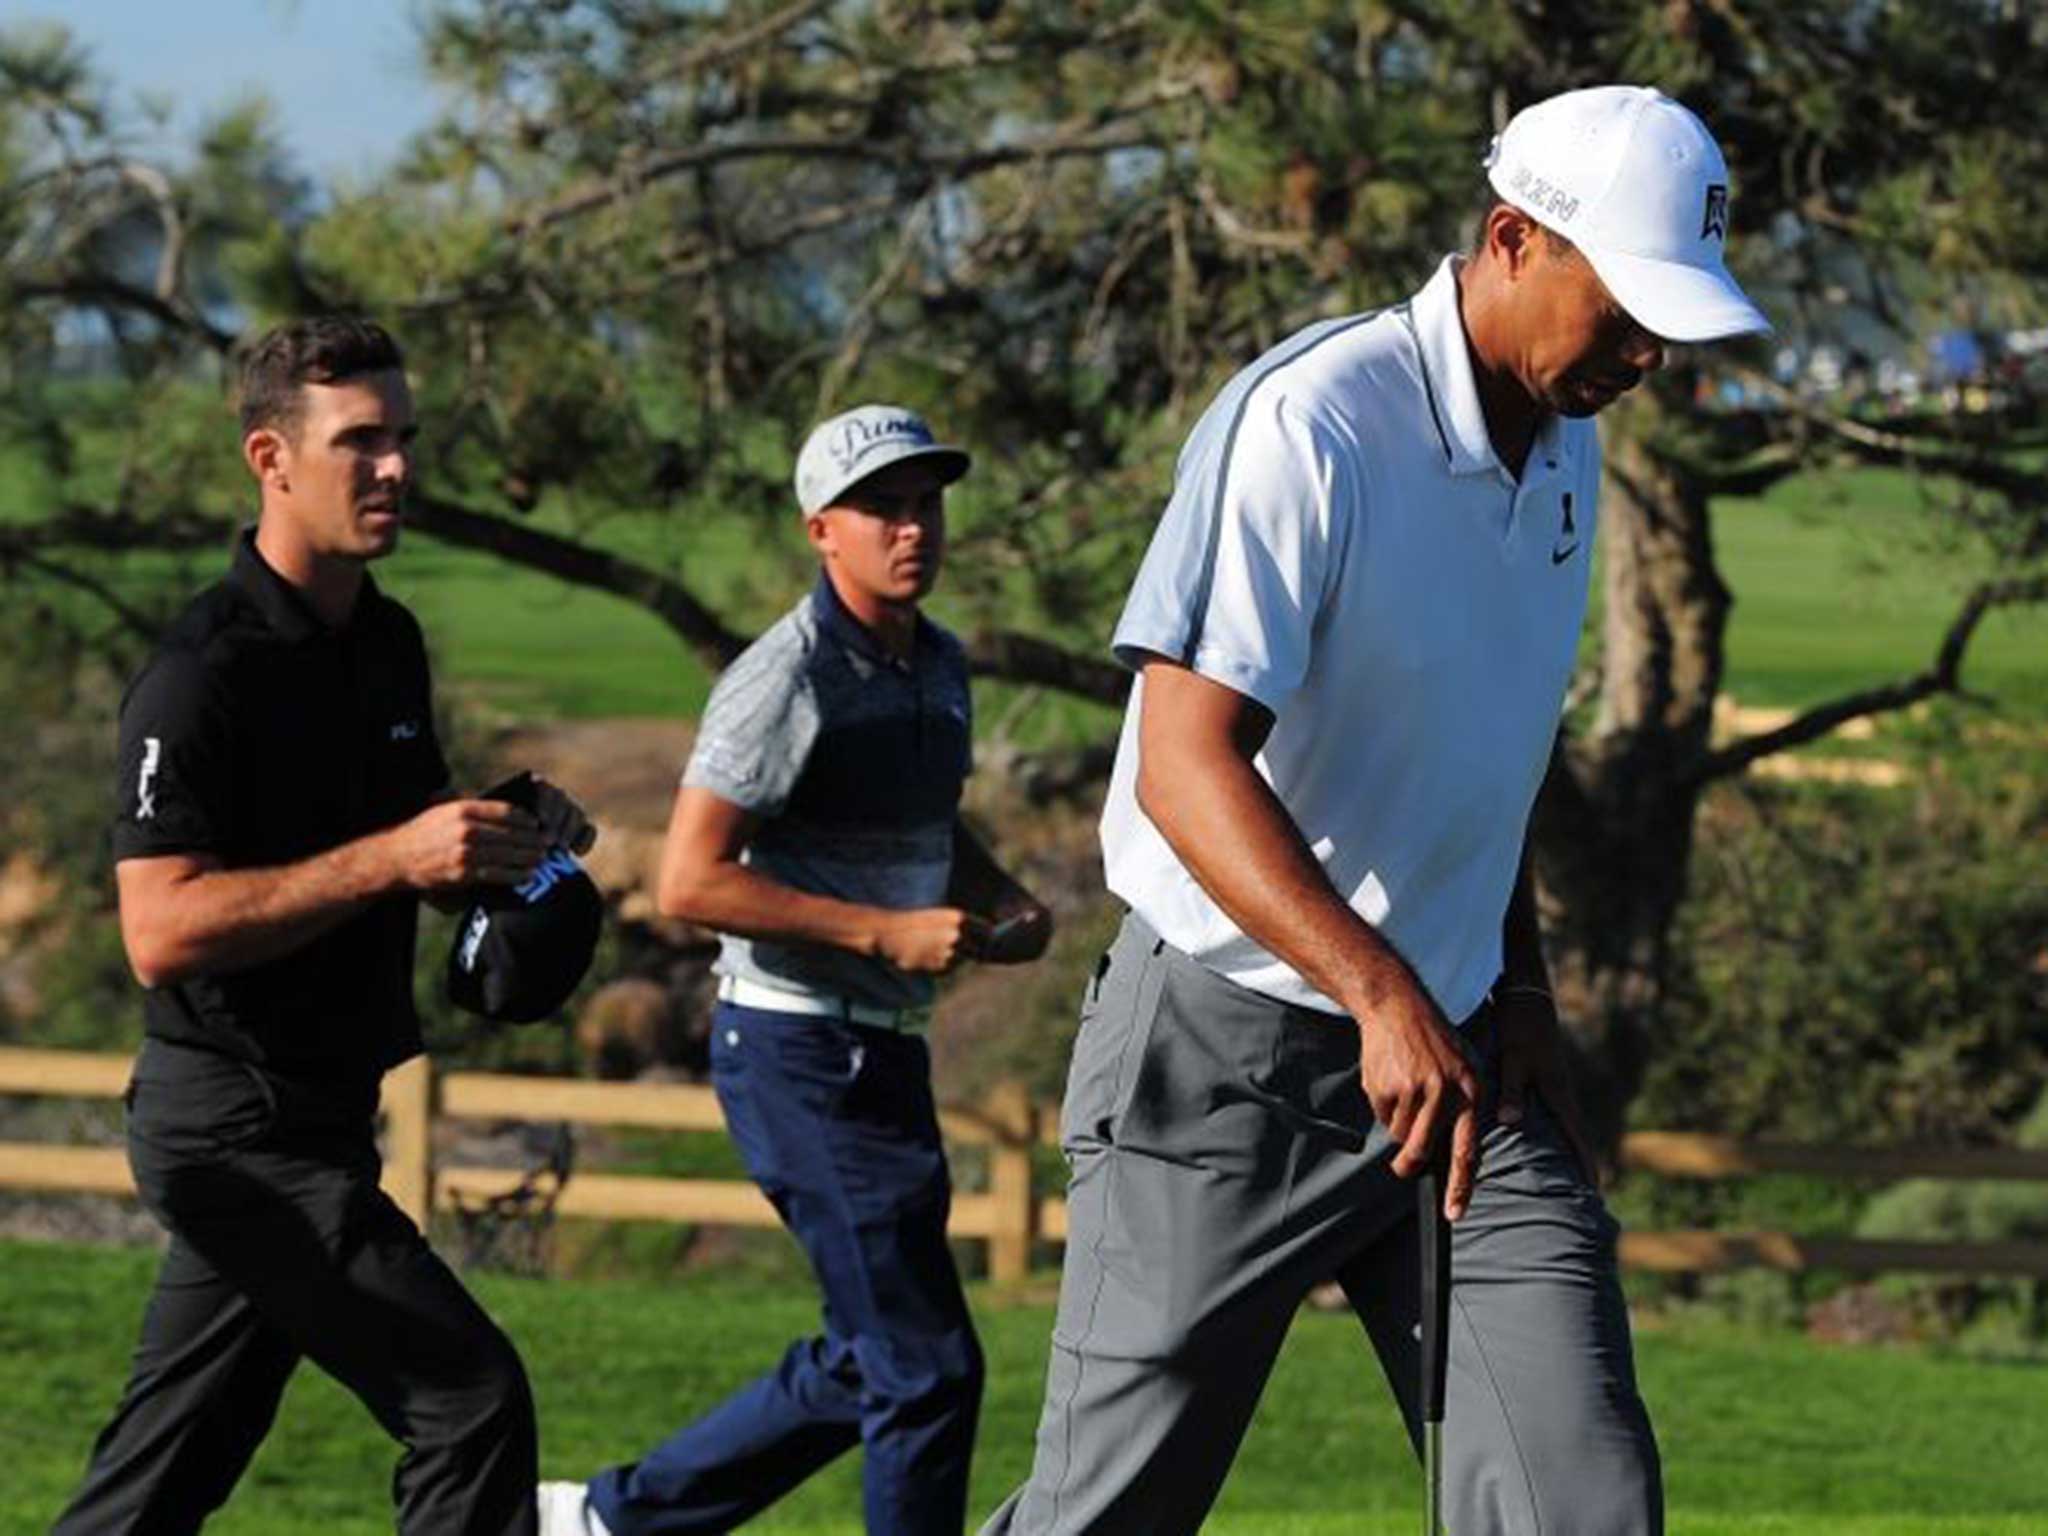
<point>1233,835</point>
<point>731,897</point>
<point>214,921</point>
<point>183,916</point>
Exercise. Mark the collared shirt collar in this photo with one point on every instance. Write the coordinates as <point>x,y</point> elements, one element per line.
<point>1439,330</point>
<point>283,606</point>
<point>838,621</point>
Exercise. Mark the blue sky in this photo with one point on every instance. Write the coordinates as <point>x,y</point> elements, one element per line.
<point>343,75</point>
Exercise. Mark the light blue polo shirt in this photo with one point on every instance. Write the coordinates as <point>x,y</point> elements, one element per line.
<point>1344,546</point>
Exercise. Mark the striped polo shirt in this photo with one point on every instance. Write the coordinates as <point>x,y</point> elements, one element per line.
<point>854,762</point>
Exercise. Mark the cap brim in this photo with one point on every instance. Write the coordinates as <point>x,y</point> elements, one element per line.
<point>1678,302</point>
<point>951,463</point>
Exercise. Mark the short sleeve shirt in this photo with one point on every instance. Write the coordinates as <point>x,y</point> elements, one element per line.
<point>1344,547</point>
<point>854,761</point>
<point>258,736</point>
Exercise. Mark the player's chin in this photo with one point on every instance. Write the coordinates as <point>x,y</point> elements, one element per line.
<point>1582,397</point>
<point>915,582</point>
<point>377,534</point>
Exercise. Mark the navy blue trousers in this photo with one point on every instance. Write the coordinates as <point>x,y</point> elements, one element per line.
<point>836,1124</point>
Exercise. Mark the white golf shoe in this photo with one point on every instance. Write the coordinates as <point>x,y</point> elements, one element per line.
<point>565,1511</point>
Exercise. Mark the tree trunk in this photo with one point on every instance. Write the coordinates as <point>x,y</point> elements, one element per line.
<point>1613,831</point>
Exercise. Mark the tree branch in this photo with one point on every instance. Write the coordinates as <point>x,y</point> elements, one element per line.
<point>1059,773</point>
<point>93,288</point>
<point>1003,654</point>
<point>860,323</point>
<point>1020,658</point>
<point>133,619</point>
<point>1877,446</point>
<point>581,565</point>
<point>957,164</point>
<point>1237,230</point>
<point>156,186</point>
<point>1944,676</point>
<point>81,527</point>
<point>719,49</point>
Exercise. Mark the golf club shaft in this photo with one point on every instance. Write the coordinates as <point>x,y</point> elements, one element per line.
<point>1434,1234</point>
<point>1433,1479</point>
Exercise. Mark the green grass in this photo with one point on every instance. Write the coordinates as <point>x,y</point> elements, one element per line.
<point>1761,1433</point>
<point>533,646</point>
<point>1846,579</point>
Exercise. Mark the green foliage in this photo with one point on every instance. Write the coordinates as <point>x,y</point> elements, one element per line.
<point>1867,967</point>
<point>2000,1317</point>
<point>58,770</point>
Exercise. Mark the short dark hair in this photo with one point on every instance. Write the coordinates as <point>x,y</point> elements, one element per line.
<point>321,349</point>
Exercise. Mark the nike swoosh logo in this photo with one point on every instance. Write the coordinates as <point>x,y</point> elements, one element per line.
<point>1559,556</point>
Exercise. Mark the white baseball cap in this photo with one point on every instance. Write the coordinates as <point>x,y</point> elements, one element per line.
<point>849,447</point>
<point>1636,182</point>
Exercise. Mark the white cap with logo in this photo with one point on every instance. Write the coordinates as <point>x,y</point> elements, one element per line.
<point>1636,182</point>
<point>847,448</point>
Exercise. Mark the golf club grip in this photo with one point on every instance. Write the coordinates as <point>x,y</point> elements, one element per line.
<point>1435,1237</point>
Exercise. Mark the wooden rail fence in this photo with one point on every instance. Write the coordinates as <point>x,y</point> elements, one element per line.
<point>1009,1214</point>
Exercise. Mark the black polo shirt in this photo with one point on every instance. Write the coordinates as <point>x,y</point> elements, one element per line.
<point>260,736</point>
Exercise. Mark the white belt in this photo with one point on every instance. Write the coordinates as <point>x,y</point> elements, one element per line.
<point>773,999</point>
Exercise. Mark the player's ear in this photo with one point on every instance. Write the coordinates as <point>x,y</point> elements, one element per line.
<point>265,450</point>
<point>818,529</point>
<point>1512,238</point>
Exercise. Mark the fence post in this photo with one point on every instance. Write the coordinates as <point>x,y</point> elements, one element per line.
<point>1009,1108</point>
<point>408,1096</point>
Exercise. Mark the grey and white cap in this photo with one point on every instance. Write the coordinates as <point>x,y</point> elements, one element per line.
<point>847,448</point>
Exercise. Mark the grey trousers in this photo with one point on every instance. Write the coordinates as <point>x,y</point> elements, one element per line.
<point>1224,1162</point>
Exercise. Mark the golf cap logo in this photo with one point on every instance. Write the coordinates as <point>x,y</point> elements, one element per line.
<point>1542,196</point>
<point>859,436</point>
<point>549,873</point>
<point>1714,219</point>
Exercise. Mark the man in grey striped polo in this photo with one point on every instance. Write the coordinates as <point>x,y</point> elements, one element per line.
<point>817,830</point>
<point>1353,632</point>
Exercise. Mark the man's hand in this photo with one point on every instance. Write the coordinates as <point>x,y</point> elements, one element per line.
<point>1532,1056</point>
<point>1417,1079</point>
<point>461,843</point>
<point>566,823</point>
<point>930,940</point>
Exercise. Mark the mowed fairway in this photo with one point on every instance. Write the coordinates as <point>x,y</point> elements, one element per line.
<point>1849,578</point>
<point>1761,1433</point>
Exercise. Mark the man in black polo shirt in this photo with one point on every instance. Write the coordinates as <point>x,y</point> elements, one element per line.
<point>282,808</point>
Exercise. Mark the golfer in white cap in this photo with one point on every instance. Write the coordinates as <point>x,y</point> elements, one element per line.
<point>1352,635</point>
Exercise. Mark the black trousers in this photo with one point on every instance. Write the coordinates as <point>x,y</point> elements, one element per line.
<point>282,1247</point>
